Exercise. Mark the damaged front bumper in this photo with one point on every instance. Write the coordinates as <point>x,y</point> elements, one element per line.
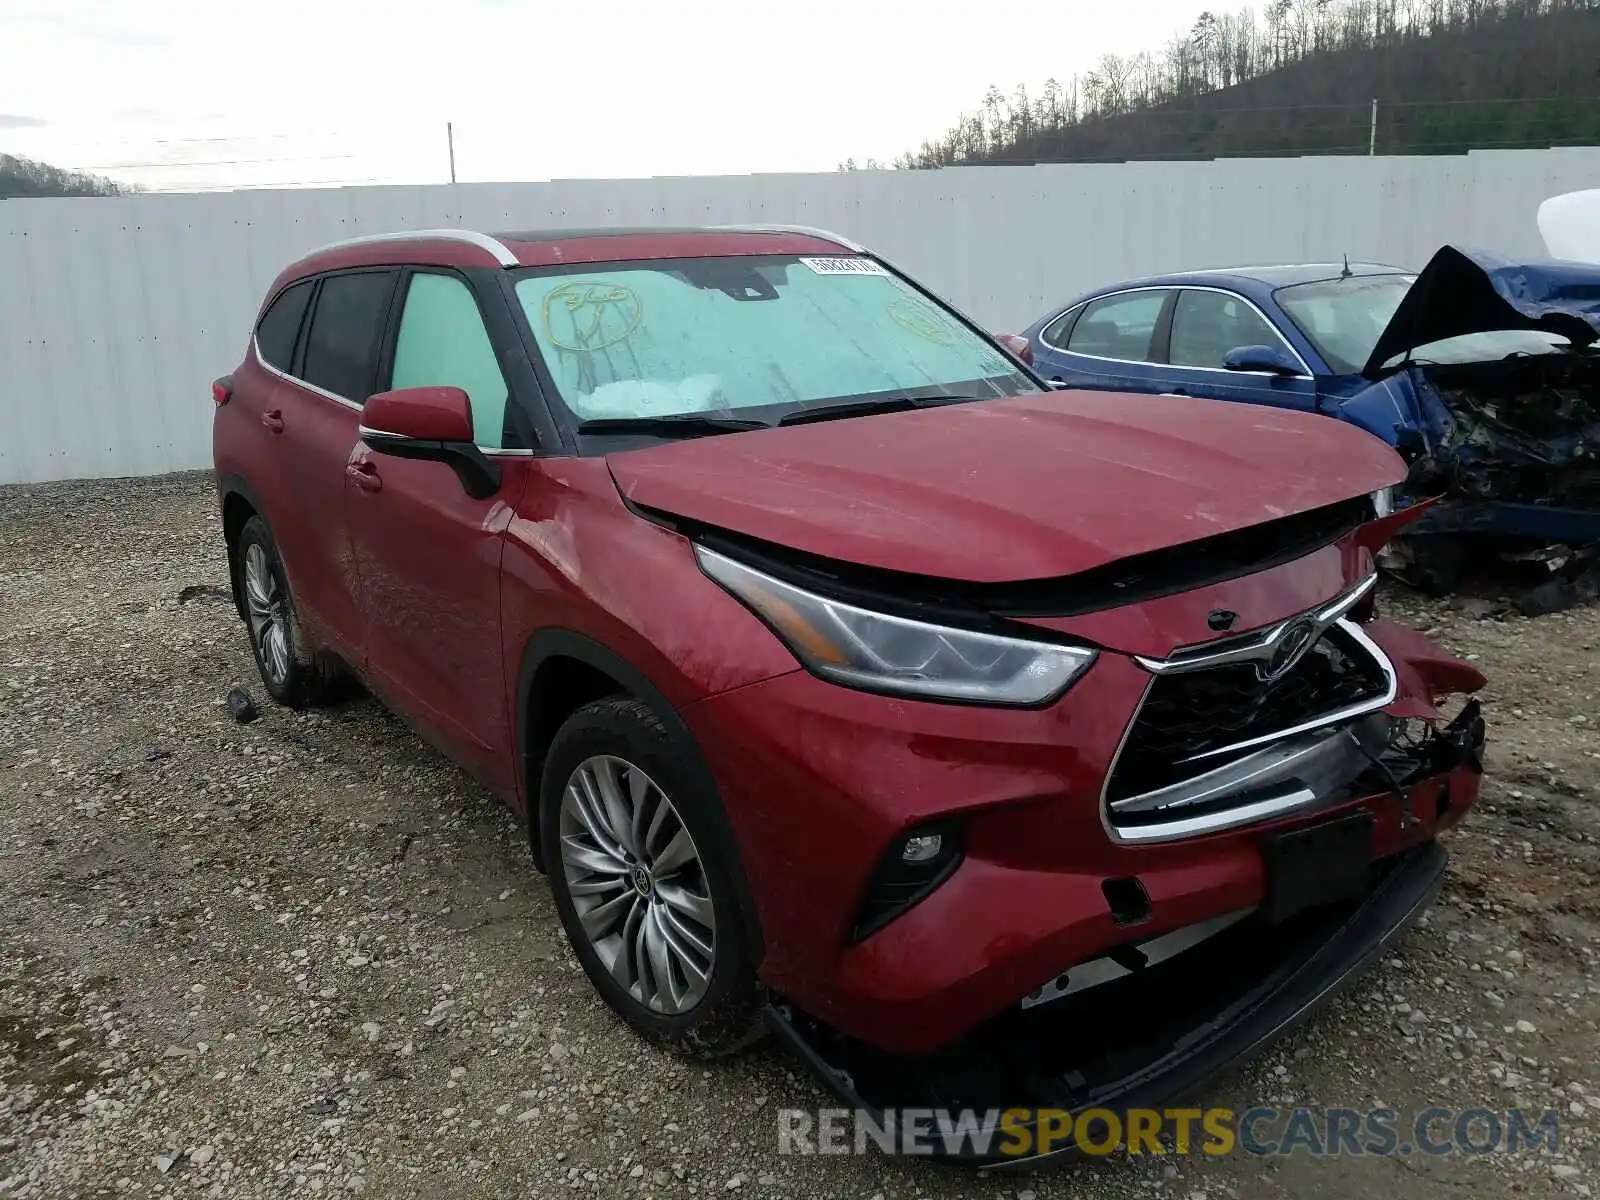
<point>1511,448</point>
<point>1149,1021</point>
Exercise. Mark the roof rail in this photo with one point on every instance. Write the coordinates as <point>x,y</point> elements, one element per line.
<point>822,234</point>
<point>472,237</point>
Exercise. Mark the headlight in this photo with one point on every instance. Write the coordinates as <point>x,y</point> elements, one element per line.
<point>878,652</point>
<point>1383,501</point>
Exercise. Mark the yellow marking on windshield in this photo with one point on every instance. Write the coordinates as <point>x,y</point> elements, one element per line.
<point>596,315</point>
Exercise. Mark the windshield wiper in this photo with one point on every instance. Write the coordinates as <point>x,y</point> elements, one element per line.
<point>862,408</point>
<point>670,426</point>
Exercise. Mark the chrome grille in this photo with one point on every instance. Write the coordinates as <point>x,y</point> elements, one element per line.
<point>1228,729</point>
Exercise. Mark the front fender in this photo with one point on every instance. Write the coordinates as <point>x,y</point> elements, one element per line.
<point>1386,409</point>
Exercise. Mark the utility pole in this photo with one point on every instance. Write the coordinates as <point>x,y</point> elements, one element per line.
<point>1372,133</point>
<point>450,141</point>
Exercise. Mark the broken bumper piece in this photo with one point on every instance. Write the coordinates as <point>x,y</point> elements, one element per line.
<point>1150,1036</point>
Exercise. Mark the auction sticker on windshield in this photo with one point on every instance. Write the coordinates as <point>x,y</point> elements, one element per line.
<point>844,266</point>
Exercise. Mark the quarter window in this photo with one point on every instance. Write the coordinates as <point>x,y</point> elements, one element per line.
<point>1119,326</point>
<point>342,347</point>
<point>443,343</point>
<point>1054,334</point>
<point>1206,325</point>
<point>280,328</point>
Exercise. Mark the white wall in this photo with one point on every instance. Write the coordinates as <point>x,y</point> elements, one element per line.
<point>116,314</point>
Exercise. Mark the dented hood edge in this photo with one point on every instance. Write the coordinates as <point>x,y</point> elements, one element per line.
<point>1474,291</point>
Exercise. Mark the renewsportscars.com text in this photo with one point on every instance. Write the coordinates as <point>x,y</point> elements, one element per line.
<point>1262,1132</point>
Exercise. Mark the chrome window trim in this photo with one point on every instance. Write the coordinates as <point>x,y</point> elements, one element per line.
<point>1138,362</point>
<point>1305,367</point>
<point>491,451</point>
<point>297,381</point>
<point>1180,287</point>
<point>1059,349</point>
<point>492,246</point>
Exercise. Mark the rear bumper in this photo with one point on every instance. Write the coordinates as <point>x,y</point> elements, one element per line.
<point>1029,1062</point>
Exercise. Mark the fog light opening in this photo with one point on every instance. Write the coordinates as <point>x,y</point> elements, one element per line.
<point>913,865</point>
<point>1127,899</point>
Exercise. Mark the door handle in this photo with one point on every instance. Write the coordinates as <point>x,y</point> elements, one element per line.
<point>273,420</point>
<point>365,476</point>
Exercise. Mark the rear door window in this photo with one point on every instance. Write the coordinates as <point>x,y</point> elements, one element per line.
<point>346,326</point>
<point>280,327</point>
<point>1120,327</point>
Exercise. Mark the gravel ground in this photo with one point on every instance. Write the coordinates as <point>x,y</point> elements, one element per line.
<point>307,956</point>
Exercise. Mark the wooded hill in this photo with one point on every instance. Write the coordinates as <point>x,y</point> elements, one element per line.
<point>1448,75</point>
<point>21,177</point>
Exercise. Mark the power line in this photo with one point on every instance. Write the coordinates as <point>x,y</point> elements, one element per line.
<point>218,162</point>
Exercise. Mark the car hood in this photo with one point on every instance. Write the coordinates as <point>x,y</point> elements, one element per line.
<point>1474,291</point>
<point>1030,487</point>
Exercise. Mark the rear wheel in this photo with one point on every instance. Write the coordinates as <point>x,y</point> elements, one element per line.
<point>646,901</point>
<point>293,675</point>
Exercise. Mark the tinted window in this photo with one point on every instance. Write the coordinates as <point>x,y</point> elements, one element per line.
<point>1054,334</point>
<point>1118,326</point>
<point>342,347</point>
<point>1206,325</point>
<point>442,342</point>
<point>280,328</point>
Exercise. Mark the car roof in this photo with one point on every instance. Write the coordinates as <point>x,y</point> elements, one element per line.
<point>1274,275</point>
<point>558,247</point>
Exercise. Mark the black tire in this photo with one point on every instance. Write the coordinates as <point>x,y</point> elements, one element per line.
<point>297,676</point>
<point>727,1017</point>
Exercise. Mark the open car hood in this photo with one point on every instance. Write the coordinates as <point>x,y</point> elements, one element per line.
<point>1461,292</point>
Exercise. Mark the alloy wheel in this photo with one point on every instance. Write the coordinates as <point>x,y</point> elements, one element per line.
<point>638,884</point>
<point>264,603</point>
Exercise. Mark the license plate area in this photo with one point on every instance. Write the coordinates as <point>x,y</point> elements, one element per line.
<point>1322,864</point>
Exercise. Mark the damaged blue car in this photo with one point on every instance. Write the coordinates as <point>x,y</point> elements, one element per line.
<point>1481,371</point>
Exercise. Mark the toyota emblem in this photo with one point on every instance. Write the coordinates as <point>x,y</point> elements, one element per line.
<point>1292,643</point>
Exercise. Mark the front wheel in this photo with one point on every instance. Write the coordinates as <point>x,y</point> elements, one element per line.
<point>645,899</point>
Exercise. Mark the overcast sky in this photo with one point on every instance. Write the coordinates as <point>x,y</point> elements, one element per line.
<point>306,91</point>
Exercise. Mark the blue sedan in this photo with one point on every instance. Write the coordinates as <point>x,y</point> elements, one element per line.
<point>1262,335</point>
<point>1480,370</point>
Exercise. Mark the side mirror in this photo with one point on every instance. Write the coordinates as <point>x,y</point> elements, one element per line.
<point>432,423</point>
<point>1017,345</point>
<point>1270,360</point>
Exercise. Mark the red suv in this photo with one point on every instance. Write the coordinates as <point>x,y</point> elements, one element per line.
<point>994,743</point>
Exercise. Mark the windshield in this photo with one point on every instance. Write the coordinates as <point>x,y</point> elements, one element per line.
<point>1343,318</point>
<point>761,336</point>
